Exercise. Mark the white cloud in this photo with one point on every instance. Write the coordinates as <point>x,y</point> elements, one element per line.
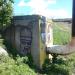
<point>22,3</point>
<point>61,13</point>
<point>57,13</point>
<point>36,2</point>
<point>41,7</point>
<point>51,1</point>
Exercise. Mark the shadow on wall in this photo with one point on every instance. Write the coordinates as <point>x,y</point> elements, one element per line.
<point>11,51</point>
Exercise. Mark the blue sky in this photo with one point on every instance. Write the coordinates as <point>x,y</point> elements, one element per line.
<point>48,8</point>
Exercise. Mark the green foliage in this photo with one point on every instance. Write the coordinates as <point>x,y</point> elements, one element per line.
<point>62,66</point>
<point>9,66</point>
<point>61,33</point>
<point>5,13</point>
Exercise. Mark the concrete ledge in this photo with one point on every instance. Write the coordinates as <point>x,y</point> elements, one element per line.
<point>60,49</point>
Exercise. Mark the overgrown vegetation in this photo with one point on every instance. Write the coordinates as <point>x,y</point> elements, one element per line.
<point>5,13</point>
<point>61,33</point>
<point>62,66</point>
<point>15,64</point>
<point>19,66</point>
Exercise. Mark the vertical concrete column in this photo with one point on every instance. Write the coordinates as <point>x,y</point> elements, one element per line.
<point>42,47</point>
<point>38,49</point>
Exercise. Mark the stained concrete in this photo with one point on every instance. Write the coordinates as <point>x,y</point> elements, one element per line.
<point>31,34</point>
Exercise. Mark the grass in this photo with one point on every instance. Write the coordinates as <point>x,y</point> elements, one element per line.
<point>19,66</point>
<point>61,33</point>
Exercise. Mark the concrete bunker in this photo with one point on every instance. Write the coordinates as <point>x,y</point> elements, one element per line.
<point>31,34</point>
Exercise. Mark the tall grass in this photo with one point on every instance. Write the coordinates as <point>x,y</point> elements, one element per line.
<point>61,34</point>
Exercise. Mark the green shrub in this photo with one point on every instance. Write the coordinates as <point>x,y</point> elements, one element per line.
<point>9,66</point>
<point>64,65</point>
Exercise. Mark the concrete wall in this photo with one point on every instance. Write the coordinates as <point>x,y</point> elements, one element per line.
<point>30,34</point>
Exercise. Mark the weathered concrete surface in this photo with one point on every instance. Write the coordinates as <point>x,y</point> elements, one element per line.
<point>31,34</point>
<point>61,49</point>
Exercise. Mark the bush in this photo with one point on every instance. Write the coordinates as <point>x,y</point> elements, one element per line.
<point>62,66</point>
<point>9,66</point>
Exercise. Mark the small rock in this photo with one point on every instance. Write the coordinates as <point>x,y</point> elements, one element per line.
<point>3,51</point>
